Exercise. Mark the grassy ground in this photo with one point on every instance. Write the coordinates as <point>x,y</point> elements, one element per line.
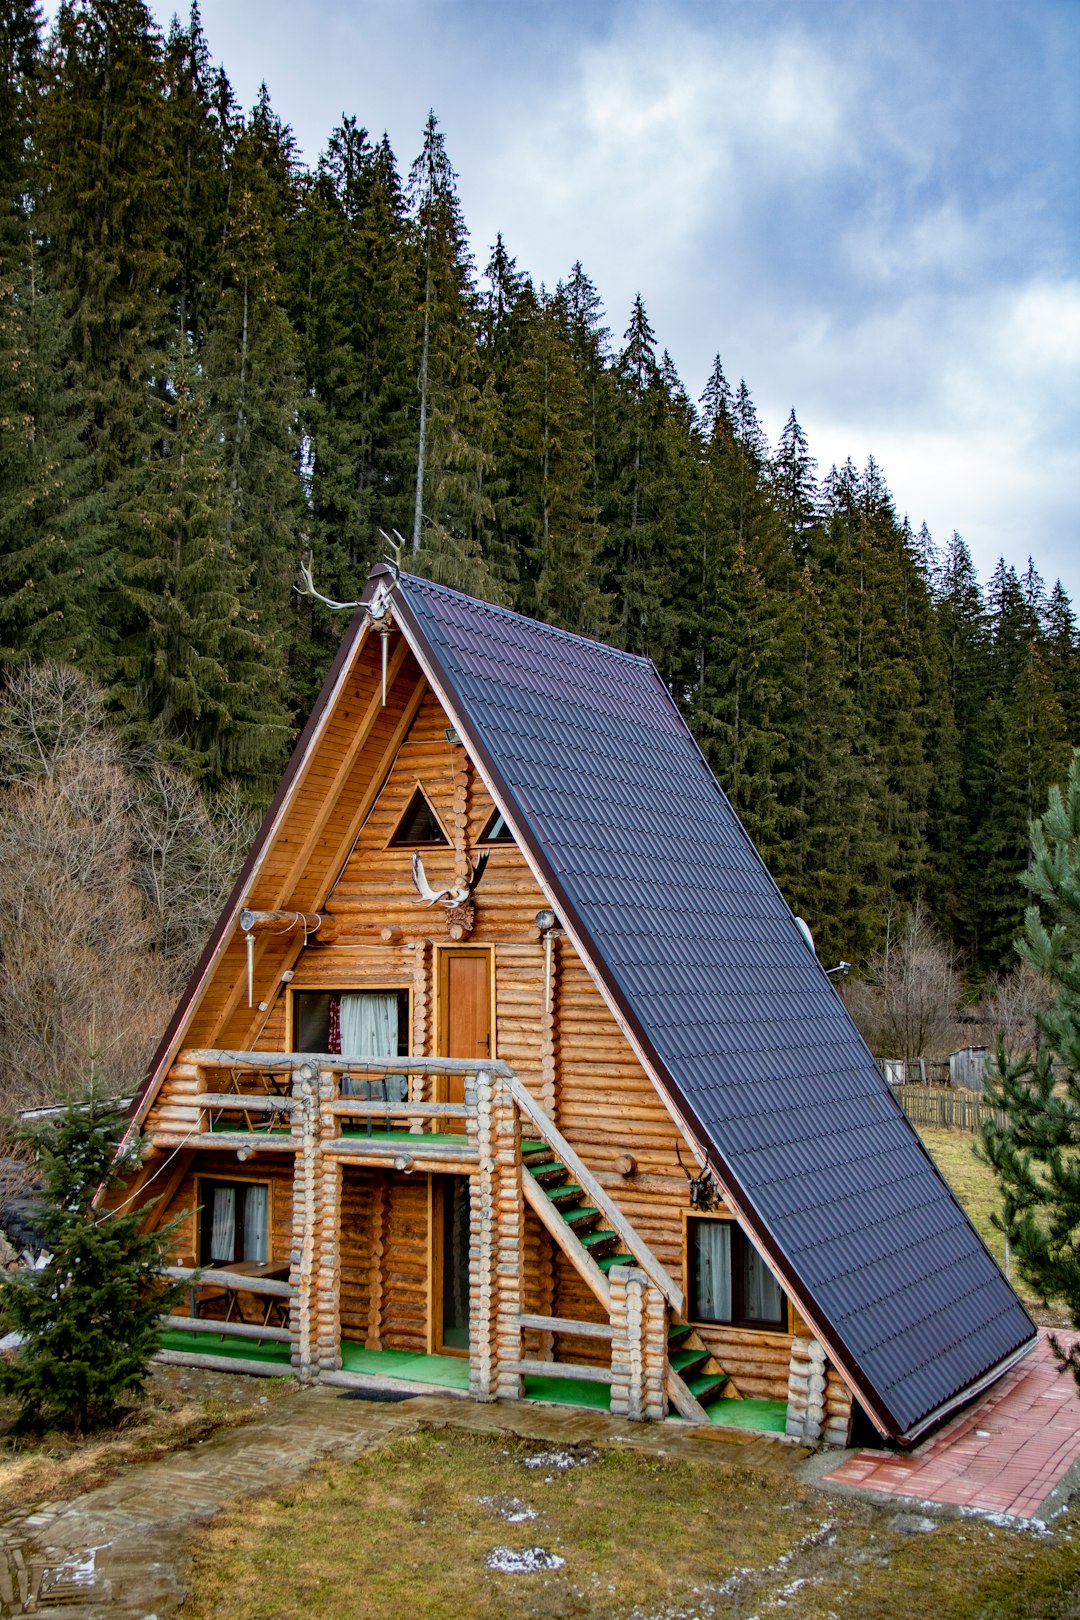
<point>975,1185</point>
<point>412,1530</point>
<point>182,1405</point>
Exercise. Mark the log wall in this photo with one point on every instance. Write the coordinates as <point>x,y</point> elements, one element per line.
<point>570,1052</point>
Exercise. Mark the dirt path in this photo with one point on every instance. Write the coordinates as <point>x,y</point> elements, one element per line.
<point>119,1550</point>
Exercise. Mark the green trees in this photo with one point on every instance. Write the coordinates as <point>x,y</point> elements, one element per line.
<point>90,1316</point>
<point>213,360</point>
<point>451,505</point>
<point>1034,1152</point>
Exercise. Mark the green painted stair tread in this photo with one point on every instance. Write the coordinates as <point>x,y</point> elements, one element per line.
<point>706,1385</point>
<point>682,1360</point>
<point>606,1261</point>
<point>529,1146</point>
<point>566,1191</point>
<point>593,1240</point>
<point>579,1212</point>
<point>677,1332</point>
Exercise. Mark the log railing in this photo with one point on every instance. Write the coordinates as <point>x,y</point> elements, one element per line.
<point>235,1282</point>
<point>643,1256</point>
<point>284,1073</point>
<point>304,1091</point>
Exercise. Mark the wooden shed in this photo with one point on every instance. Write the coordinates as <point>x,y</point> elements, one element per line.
<point>507,1070</point>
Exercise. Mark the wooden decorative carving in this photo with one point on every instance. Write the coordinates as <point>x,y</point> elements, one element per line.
<point>461,921</point>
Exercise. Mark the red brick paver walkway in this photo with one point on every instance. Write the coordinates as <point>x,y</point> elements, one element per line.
<point>1005,1454</point>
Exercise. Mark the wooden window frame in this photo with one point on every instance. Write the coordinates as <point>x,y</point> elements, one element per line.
<point>736,1324</point>
<point>382,988</point>
<point>497,843</point>
<point>396,842</point>
<point>204,1176</point>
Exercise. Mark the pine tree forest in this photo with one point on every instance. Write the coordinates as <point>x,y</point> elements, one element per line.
<point>215,361</point>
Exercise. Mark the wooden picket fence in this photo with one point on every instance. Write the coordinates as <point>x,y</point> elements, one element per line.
<point>947,1106</point>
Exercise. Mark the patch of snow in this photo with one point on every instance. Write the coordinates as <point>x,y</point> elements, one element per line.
<point>522,1560</point>
<point>12,1341</point>
<point>560,1459</point>
<point>510,1508</point>
<point>79,1569</point>
<point>1006,1521</point>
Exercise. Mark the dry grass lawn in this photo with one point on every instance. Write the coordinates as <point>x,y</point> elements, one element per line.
<point>410,1532</point>
<point>976,1187</point>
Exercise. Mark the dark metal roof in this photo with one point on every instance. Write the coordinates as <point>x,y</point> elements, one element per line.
<point>652,872</point>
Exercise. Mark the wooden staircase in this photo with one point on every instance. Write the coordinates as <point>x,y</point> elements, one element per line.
<point>694,1377</point>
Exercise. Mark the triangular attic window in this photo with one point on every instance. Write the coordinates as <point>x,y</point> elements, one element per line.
<point>419,824</point>
<point>496,830</point>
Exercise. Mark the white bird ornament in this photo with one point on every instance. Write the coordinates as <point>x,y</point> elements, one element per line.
<point>453,896</point>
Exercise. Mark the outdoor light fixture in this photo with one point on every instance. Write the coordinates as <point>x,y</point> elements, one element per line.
<point>453,736</point>
<point>844,968</point>
<point>545,921</point>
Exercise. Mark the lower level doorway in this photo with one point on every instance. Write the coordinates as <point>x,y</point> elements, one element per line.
<point>451,1281</point>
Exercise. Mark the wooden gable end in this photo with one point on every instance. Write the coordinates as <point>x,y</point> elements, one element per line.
<point>333,853</point>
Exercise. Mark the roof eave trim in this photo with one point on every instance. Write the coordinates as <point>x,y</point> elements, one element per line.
<point>968,1393</point>
<point>680,1107</point>
<point>169,1045</point>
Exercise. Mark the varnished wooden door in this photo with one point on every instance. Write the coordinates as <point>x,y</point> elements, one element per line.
<point>465,1011</point>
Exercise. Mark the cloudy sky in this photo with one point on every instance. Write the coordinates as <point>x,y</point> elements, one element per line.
<point>869,210</point>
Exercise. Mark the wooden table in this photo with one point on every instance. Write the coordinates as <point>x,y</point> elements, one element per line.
<point>264,1271</point>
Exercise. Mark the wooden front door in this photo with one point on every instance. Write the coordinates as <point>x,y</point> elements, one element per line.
<point>465,1013</point>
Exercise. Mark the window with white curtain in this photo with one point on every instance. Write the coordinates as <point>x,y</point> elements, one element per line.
<point>235,1222</point>
<point>728,1281</point>
<point>360,1023</point>
<point>369,1024</point>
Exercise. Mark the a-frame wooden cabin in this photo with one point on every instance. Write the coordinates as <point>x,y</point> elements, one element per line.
<point>443,1139</point>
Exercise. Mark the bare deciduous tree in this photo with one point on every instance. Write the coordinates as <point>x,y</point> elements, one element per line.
<point>907,1004</point>
<point>1010,1005</point>
<point>113,871</point>
<point>80,984</point>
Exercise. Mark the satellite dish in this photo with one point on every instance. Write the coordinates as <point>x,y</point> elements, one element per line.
<point>804,929</point>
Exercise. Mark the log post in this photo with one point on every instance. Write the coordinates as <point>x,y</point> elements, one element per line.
<point>327,1287</point>
<point>638,1345</point>
<point>305,1125</point>
<point>496,1241</point>
<point>806,1391</point>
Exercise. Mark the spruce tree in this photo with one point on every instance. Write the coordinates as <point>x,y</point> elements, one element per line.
<point>251,378</point>
<point>104,178</point>
<point>553,466</point>
<point>90,1317</point>
<point>1035,1151</point>
<point>452,510</point>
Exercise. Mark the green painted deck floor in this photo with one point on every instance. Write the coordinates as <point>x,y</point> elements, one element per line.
<point>452,1372</point>
<point>738,1413</point>
<point>226,1344</point>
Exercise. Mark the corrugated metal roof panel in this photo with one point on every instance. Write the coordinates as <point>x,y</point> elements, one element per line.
<point>651,867</point>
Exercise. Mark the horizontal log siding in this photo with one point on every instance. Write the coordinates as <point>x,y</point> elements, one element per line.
<point>356,1185</point>
<point>602,1099</point>
<point>318,818</point>
<point>405,1265</point>
<point>538,1292</point>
